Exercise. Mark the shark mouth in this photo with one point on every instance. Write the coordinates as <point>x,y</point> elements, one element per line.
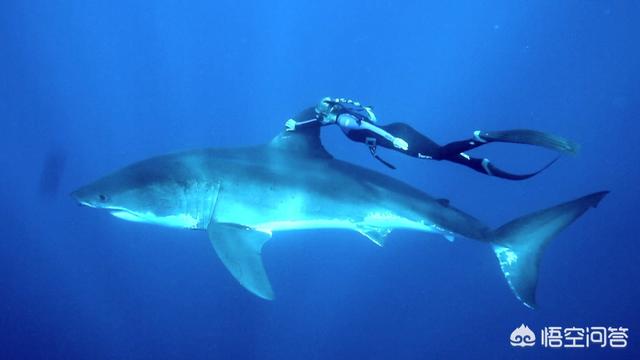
<point>125,214</point>
<point>177,220</point>
<point>119,212</point>
<point>87,204</point>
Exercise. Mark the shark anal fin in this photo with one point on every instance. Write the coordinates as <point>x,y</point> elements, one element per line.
<point>376,234</point>
<point>240,249</point>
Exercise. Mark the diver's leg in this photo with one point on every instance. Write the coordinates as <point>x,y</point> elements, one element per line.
<point>529,137</point>
<point>455,148</point>
<point>486,167</point>
<point>455,151</point>
<point>420,146</point>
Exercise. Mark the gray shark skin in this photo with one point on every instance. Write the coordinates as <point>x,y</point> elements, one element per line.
<point>241,196</point>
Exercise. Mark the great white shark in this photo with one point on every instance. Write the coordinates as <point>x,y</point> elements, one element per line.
<point>241,196</point>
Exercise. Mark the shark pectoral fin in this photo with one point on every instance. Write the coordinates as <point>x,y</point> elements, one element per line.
<point>240,249</point>
<point>376,234</point>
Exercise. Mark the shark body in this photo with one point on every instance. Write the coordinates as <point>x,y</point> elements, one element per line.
<point>242,196</point>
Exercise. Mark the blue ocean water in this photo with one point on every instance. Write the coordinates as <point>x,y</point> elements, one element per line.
<point>86,88</point>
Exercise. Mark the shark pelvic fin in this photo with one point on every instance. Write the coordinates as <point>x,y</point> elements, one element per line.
<point>240,250</point>
<point>376,234</point>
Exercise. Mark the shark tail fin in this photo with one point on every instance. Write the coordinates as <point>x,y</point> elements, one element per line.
<point>519,243</point>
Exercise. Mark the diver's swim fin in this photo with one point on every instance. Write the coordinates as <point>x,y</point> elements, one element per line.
<point>531,137</point>
<point>489,169</point>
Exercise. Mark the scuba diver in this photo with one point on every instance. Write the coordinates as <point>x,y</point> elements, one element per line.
<point>358,122</point>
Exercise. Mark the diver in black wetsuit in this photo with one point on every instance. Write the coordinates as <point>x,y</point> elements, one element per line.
<point>358,123</point>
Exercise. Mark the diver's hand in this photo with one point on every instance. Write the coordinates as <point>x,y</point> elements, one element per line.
<point>290,125</point>
<point>400,144</point>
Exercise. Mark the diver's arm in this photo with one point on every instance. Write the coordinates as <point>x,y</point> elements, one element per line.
<point>368,126</point>
<point>292,125</point>
<point>397,142</point>
<point>349,122</point>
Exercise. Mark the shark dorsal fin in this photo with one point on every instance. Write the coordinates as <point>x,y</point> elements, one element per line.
<point>305,142</point>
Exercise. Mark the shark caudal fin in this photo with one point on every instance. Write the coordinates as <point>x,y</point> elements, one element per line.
<point>519,243</point>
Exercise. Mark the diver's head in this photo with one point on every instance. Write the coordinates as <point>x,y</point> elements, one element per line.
<point>329,109</point>
<point>324,106</point>
<point>325,109</point>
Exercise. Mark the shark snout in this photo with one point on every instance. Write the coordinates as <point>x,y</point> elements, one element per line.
<point>74,195</point>
<point>79,198</point>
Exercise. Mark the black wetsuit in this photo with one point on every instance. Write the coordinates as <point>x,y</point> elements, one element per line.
<point>420,146</point>
<point>423,147</point>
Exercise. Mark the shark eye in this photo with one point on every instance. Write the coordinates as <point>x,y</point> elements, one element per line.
<point>103,197</point>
